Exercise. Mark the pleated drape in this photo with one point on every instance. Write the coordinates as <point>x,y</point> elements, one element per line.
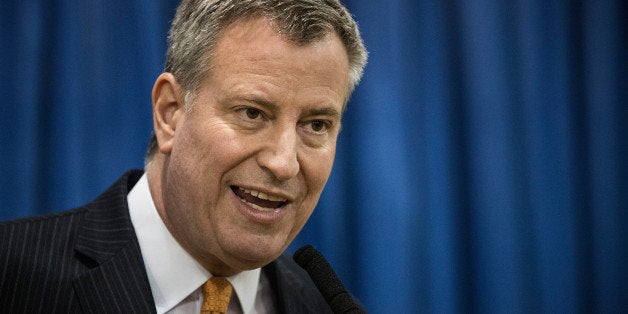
<point>481,166</point>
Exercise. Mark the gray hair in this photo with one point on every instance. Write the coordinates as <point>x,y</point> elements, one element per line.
<point>198,24</point>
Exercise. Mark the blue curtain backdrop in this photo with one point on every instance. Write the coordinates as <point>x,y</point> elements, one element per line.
<point>482,166</point>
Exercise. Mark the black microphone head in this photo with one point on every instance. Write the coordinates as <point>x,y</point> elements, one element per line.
<point>304,255</point>
<point>326,280</point>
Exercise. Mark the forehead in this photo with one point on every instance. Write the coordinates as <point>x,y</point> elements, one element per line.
<point>255,45</point>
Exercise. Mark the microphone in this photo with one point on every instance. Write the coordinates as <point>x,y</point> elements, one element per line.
<point>326,280</point>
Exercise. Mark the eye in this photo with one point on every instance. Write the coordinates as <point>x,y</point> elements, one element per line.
<point>319,126</point>
<point>252,113</point>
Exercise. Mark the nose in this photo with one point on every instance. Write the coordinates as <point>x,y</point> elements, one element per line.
<point>279,155</point>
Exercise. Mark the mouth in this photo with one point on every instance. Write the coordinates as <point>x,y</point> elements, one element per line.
<point>259,200</point>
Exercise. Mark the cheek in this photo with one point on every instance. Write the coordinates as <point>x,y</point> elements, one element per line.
<point>316,167</point>
<point>195,170</point>
<point>211,148</point>
<point>316,171</point>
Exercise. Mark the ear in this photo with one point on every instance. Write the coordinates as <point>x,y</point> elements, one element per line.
<point>168,108</point>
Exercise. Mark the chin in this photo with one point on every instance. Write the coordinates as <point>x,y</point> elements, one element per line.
<point>255,256</point>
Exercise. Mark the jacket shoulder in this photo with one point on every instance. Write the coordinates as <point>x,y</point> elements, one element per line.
<point>37,253</point>
<point>39,256</point>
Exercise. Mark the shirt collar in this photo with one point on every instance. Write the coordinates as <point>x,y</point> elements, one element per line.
<point>172,272</point>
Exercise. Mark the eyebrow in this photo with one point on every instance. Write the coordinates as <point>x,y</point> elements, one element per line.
<point>256,100</point>
<point>325,111</point>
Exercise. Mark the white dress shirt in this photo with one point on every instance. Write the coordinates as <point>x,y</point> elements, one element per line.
<point>175,277</point>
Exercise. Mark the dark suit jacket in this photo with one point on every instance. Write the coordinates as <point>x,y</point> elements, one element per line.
<point>88,260</point>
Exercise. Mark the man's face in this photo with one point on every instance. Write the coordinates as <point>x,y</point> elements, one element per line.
<point>249,161</point>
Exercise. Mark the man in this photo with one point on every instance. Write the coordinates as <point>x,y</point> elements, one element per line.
<point>246,118</point>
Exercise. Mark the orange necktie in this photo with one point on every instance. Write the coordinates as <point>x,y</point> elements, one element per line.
<point>216,296</point>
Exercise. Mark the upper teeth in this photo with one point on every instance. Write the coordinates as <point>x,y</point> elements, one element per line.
<point>264,196</point>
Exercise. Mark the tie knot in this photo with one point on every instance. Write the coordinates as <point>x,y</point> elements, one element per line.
<point>216,295</point>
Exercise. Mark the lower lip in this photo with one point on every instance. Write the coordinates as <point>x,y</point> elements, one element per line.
<point>261,217</point>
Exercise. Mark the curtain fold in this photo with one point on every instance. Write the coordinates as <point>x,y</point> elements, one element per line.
<point>482,165</point>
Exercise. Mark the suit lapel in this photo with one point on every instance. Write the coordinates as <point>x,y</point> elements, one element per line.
<point>106,243</point>
<point>117,286</point>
